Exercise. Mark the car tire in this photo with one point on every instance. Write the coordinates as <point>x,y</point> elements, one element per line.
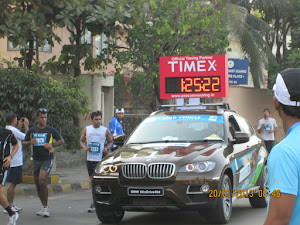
<point>221,213</point>
<point>108,214</point>
<point>258,201</point>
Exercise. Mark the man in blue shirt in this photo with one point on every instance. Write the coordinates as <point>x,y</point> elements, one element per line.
<point>284,159</point>
<point>115,126</point>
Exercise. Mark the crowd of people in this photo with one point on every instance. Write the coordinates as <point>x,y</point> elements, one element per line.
<point>95,139</point>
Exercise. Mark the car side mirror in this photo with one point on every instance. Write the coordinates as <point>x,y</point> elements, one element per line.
<point>241,137</point>
<point>119,140</point>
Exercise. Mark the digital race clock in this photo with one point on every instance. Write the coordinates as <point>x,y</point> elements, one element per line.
<point>194,76</point>
<point>202,84</point>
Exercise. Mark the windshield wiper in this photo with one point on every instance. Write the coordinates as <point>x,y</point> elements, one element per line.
<point>161,141</point>
<point>207,140</point>
<point>135,143</point>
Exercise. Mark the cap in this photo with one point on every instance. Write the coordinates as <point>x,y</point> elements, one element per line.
<point>287,87</point>
<point>120,110</point>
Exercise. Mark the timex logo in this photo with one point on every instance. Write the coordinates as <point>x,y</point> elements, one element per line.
<point>193,66</point>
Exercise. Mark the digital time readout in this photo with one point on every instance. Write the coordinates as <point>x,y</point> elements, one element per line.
<point>201,84</point>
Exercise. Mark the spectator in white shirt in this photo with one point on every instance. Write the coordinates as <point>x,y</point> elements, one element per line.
<point>14,173</point>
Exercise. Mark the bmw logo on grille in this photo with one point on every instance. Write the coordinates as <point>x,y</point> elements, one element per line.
<point>148,160</point>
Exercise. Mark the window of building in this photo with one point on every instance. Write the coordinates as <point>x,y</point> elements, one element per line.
<point>45,48</point>
<point>101,44</point>
<point>86,38</point>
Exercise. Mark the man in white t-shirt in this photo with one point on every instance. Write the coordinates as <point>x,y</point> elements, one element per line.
<point>14,173</point>
<point>95,140</point>
<point>267,127</point>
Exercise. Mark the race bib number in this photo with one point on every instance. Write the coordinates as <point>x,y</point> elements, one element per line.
<point>268,127</point>
<point>41,138</point>
<point>95,147</point>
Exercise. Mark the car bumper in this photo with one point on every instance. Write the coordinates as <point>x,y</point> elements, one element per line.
<point>183,193</point>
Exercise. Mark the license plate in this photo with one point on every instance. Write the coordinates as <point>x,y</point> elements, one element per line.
<point>145,191</point>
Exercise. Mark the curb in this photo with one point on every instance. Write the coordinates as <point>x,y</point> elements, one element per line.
<point>53,179</point>
<point>52,188</point>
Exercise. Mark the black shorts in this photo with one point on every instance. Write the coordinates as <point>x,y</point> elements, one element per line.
<point>14,175</point>
<point>41,165</point>
<point>91,166</point>
<point>269,145</point>
<point>2,171</point>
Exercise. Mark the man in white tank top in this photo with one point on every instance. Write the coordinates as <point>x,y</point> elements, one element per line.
<point>93,139</point>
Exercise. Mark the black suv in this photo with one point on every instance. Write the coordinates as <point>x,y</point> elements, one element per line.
<point>198,158</point>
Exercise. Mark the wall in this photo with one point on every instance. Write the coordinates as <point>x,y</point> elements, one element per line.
<point>251,102</point>
<point>43,56</point>
<point>97,85</point>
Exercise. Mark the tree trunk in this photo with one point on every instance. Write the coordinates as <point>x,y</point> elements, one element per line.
<point>77,51</point>
<point>29,56</point>
<point>37,55</point>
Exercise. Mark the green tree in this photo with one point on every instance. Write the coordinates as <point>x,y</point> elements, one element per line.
<point>29,24</point>
<point>23,92</point>
<point>81,17</point>
<point>279,15</point>
<point>250,30</point>
<point>164,28</point>
<point>284,18</point>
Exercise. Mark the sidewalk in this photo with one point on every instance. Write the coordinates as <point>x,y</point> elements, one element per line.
<point>70,179</point>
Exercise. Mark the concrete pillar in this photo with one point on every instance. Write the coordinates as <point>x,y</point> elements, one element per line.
<point>96,93</point>
<point>109,104</point>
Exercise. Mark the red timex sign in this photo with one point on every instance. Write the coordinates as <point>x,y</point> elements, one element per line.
<point>201,76</point>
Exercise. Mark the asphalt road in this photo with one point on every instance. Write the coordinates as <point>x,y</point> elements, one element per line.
<point>70,208</point>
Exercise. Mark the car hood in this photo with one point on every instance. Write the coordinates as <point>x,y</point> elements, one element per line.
<point>164,152</point>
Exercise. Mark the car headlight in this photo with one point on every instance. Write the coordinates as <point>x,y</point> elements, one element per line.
<point>198,167</point>
<point>106,169</point>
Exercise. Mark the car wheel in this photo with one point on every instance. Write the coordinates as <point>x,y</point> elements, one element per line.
<point>109,215</point>
<point>221,213</point>
<point>258,200</point>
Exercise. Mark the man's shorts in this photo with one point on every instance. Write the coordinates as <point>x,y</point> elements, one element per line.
<point>14,175</point>
<point>41,165</point>
<point>91,166</point>
<point>2,170</point>
<point>269,145</point>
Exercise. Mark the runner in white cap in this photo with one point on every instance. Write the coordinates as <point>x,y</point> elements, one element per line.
<point>115,126</point>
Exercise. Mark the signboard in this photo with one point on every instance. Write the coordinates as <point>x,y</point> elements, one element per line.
<point>238,71</point>
<point>202,76</point>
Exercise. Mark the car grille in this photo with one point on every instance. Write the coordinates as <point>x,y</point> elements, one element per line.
<point>154,170</point>
<point>161,170</point>
<point>134,170</point>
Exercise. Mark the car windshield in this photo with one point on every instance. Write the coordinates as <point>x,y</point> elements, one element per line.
<point>179,128</point>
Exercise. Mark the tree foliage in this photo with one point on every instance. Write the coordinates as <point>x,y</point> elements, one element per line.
<point>250,31</point>
<point>164,28</point>
<point>26,92</point>
<point>284,18</point>
<point>80,17</point>
<point>29,24</point>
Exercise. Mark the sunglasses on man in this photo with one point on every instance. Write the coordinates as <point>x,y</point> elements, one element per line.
<point>43,110</point>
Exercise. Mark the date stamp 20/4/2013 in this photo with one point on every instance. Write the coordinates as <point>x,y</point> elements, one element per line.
<point>242,193</point>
